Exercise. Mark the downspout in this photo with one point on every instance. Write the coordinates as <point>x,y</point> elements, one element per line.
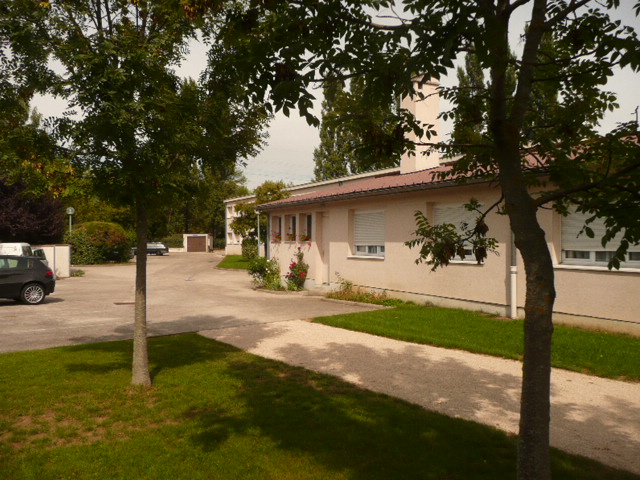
<point>513,281</point>
<point>258,230</point>
<point>267,243</point>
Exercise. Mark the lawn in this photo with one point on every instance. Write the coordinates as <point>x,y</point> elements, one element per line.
<point>234,262</point>
<point>218,412</point>
<point>596,353</point>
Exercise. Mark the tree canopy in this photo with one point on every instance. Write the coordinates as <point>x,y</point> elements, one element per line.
<point>140,133</point>
<point>355,138</point>
<point>245,224</point>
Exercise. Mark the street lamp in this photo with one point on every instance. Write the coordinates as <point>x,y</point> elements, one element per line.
<point>70,212</point>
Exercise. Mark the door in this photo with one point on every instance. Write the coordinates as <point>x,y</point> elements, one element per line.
<point>197,244</point>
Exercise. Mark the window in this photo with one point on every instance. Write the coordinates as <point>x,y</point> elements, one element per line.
<point>16,263</point>
<point>290,224</point>
<point>456,214</point>
<point>369,233</point>
<point>306,225</point>
<point>579,249</point>
<point>276,229</point>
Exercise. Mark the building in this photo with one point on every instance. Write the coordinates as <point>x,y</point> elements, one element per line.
<point>355,229</point>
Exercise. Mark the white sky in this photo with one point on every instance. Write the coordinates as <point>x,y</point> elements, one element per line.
<point>288,154</point>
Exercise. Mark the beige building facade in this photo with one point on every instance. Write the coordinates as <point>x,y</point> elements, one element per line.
<point>355,229</point>
<point>358,233</point>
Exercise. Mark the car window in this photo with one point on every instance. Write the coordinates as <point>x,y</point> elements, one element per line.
<point>17,263</point>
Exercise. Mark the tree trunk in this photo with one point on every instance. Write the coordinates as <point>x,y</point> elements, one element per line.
<point>535,405</point>
<point>140,367</point>
<point>533,448</point>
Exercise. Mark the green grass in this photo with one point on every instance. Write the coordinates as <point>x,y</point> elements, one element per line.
<point>597,353</point>
<point>217,412</point>
<point>234,262</point>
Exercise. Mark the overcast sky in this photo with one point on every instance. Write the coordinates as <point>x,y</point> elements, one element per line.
<point>288,154</point>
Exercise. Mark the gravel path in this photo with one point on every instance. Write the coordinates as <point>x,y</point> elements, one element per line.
<point>593,417</point>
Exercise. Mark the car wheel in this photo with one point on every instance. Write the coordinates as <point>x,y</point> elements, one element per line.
<point>32,294</point>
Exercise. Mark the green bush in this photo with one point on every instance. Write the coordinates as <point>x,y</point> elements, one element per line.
<point>219,243</point>
<point>175,240</point>
<point>249,247</point>
<point>99,242</point>
<point>266,273</point>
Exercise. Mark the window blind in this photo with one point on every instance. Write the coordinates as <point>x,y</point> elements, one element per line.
<point>368,228</point>
<point>454,213</point>
<point>573,240</point>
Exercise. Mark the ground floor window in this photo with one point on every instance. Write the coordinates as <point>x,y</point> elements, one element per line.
<point>291,227</point>
<point>276,229</point>
<point>580,249</point>
<point>457,215</point>
<point>369,233</point>
<point>306,227</point>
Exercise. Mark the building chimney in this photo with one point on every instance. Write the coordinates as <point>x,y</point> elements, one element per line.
<point>425,106</point>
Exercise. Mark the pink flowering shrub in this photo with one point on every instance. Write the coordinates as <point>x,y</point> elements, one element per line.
<point>297,272</point>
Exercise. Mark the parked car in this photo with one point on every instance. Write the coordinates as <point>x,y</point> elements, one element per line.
<point>25,279</point>
<point>16,249</point>
<point>153,248</point>
<point>39,252</point>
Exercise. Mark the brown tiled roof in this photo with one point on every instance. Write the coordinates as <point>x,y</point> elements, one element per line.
<point>383,185</point>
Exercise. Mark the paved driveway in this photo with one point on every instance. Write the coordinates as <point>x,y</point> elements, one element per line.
<point>186,293</point>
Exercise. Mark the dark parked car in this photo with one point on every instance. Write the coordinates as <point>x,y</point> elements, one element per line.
<point>26,279</point>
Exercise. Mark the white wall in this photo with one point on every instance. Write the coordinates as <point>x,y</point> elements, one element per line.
<point>59,258</point>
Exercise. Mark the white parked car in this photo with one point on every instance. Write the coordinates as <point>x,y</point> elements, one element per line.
<point>18,249</point>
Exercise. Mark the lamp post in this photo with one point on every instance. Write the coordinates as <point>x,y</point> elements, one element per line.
<point>70,212</point>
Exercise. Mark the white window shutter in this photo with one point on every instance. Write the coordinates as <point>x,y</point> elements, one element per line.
<point>368,228</point>
<point>573,223</point>
<point>454,213</point>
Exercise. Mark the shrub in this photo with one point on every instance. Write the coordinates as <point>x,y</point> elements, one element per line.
<point>249,247</point>
<point>350,293</point>
<point>219,243</point>
<point>174,240</point>
<point>99,242</point>
<point>297,272</point>
<point>266,273</point>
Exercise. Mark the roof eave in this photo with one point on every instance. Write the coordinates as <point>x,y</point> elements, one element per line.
<point>372,193</point>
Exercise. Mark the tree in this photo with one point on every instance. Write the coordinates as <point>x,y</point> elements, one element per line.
<point>143,129</point>
<point>347,128</point>
<point>313,41</point>
<point>245,224</point>
<point>25,217</point>
<point>201,209</point>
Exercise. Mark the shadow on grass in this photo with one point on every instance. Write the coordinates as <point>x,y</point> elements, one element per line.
<point>165,353</point>
<point>466,450</point>
<point>324,421</point>
<point>370,436</point>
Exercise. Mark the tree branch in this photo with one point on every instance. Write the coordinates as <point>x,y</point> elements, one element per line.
<point>560,16</point>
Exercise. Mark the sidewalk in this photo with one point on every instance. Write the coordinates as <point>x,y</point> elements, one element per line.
<point>591,416</point>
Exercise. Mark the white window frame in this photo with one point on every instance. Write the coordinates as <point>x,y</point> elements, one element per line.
<point>369,233</point>
<point>578,249</point>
